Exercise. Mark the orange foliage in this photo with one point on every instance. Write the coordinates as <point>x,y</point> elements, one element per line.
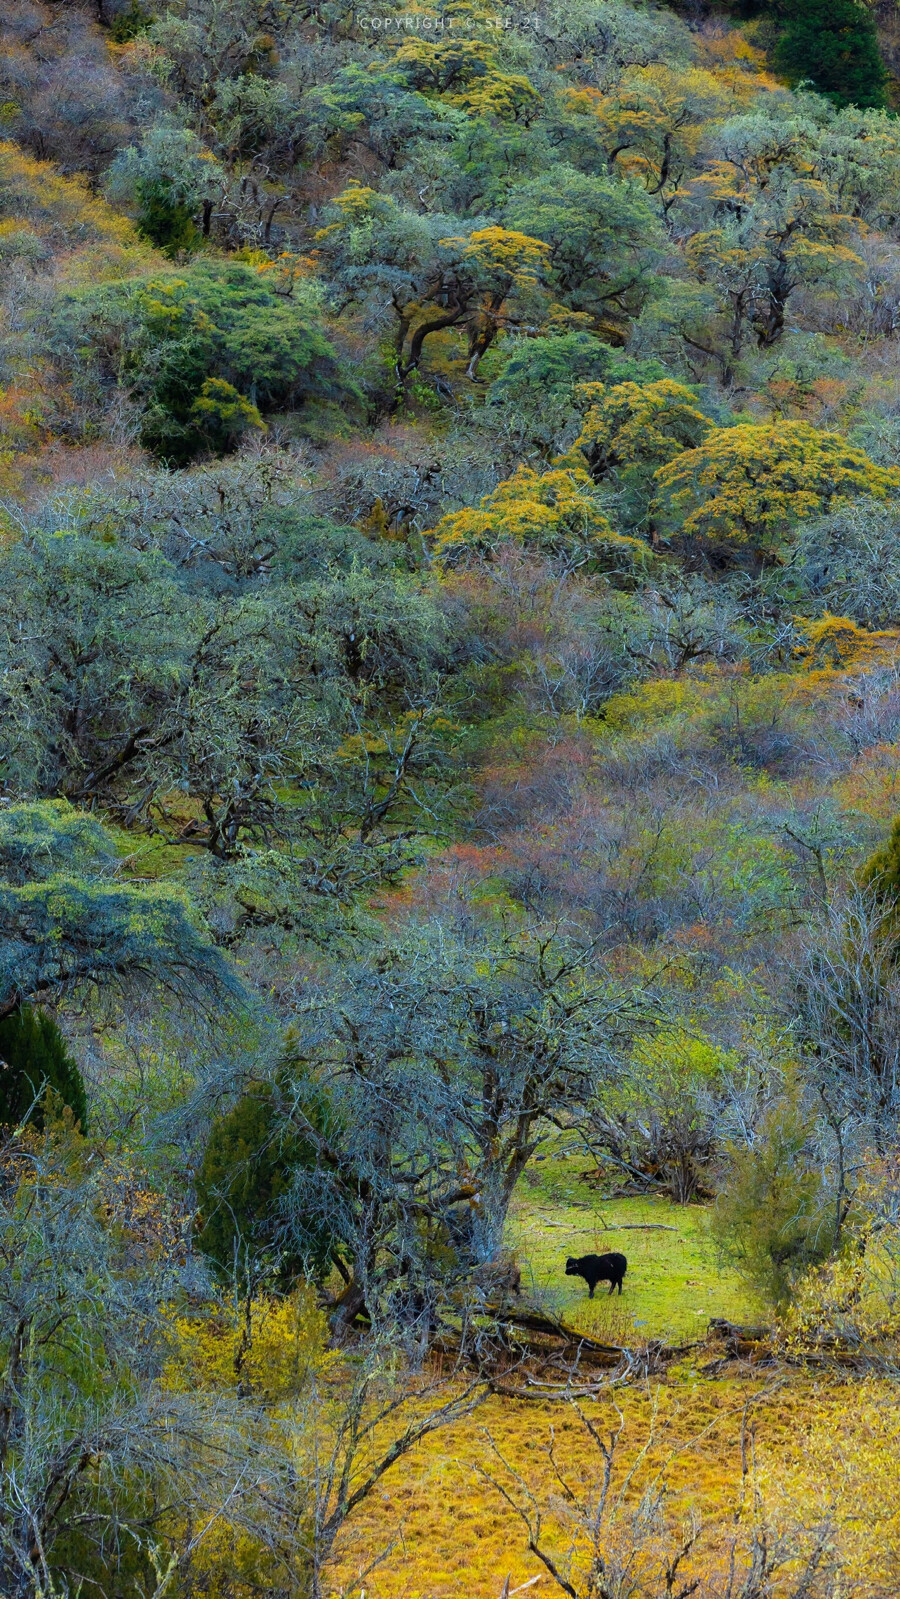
<point>839,641</point>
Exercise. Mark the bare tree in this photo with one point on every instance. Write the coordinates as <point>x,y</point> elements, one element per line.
<point>619,1545</point>
<point>424,1086</point>
<point>381,1418</point>
<point>850,1007</point>
<point>98,1453</point>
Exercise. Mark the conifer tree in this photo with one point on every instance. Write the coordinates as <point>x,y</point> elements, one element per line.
<point>833,44</point>
<point>34,1058</point>
<point>247,1169</point>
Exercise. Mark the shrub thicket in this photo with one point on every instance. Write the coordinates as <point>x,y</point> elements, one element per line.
<point>206,353</point>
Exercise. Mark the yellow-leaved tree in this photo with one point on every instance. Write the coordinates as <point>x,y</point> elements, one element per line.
<point>492,267</point>
<point>651,122</point>
<point>465,72</point>
<point>386,258</point>
<point>762,226</point>
<point>628,433</point>
<point>739,492</point>
<point>636,425</point>
<point>555,513</point>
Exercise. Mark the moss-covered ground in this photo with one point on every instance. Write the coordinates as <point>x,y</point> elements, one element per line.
<point>449,1531</point>
<point>446,1532</point>
<point>675,1281</point>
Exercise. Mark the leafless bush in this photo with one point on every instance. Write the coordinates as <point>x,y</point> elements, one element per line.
<point>415,482</point>
<point>870,713</point>
<point>66,101</point>
<point>850,1006</point>
<point>619,1541</point>
<point>847,561</point>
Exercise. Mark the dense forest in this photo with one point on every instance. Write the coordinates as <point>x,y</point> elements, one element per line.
<point>449,799</point>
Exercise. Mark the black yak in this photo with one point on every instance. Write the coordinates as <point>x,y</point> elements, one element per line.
<point>599,1269</point>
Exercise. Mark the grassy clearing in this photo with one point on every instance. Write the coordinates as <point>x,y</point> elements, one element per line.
<point>450,1534</point>
<point>674,1283</point>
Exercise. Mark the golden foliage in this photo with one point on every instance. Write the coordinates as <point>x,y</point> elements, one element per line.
<point>555,512</point>
<point>49,216</point>
<point>652,122</point>
<point>745,486</point>
<point>502,256</point>
<point>636,425</point>
<point>465,72</point>
<point>268,1347</point>
<point>839,641</point>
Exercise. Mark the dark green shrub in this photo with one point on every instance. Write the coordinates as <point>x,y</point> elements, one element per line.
<point>247,1169</point>
<point>881,872</point>
<point>556,361</point>
<point>129,24</point>
<point>206,350</point>
<point>833,44</point>
<point>165,219</point>
<point>35,1059</point>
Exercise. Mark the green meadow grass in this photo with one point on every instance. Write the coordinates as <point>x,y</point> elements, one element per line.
<point>674,1283</point>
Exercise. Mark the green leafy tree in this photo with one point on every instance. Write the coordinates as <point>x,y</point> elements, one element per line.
<point>534,397</point>
<point>71,923</point>
<point>833,45</point>
<point>35,1059</point>
<point>374,109</point>
<point>603,238</point>
<point>166,181</point>
<point>248,1166</point>
<point>167,339</point>
<point>423,274</point>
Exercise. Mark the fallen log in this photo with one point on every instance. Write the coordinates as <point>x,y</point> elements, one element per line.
<point>720,1328</point>
<point>534,1321</point>
<point>640,1227</point>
